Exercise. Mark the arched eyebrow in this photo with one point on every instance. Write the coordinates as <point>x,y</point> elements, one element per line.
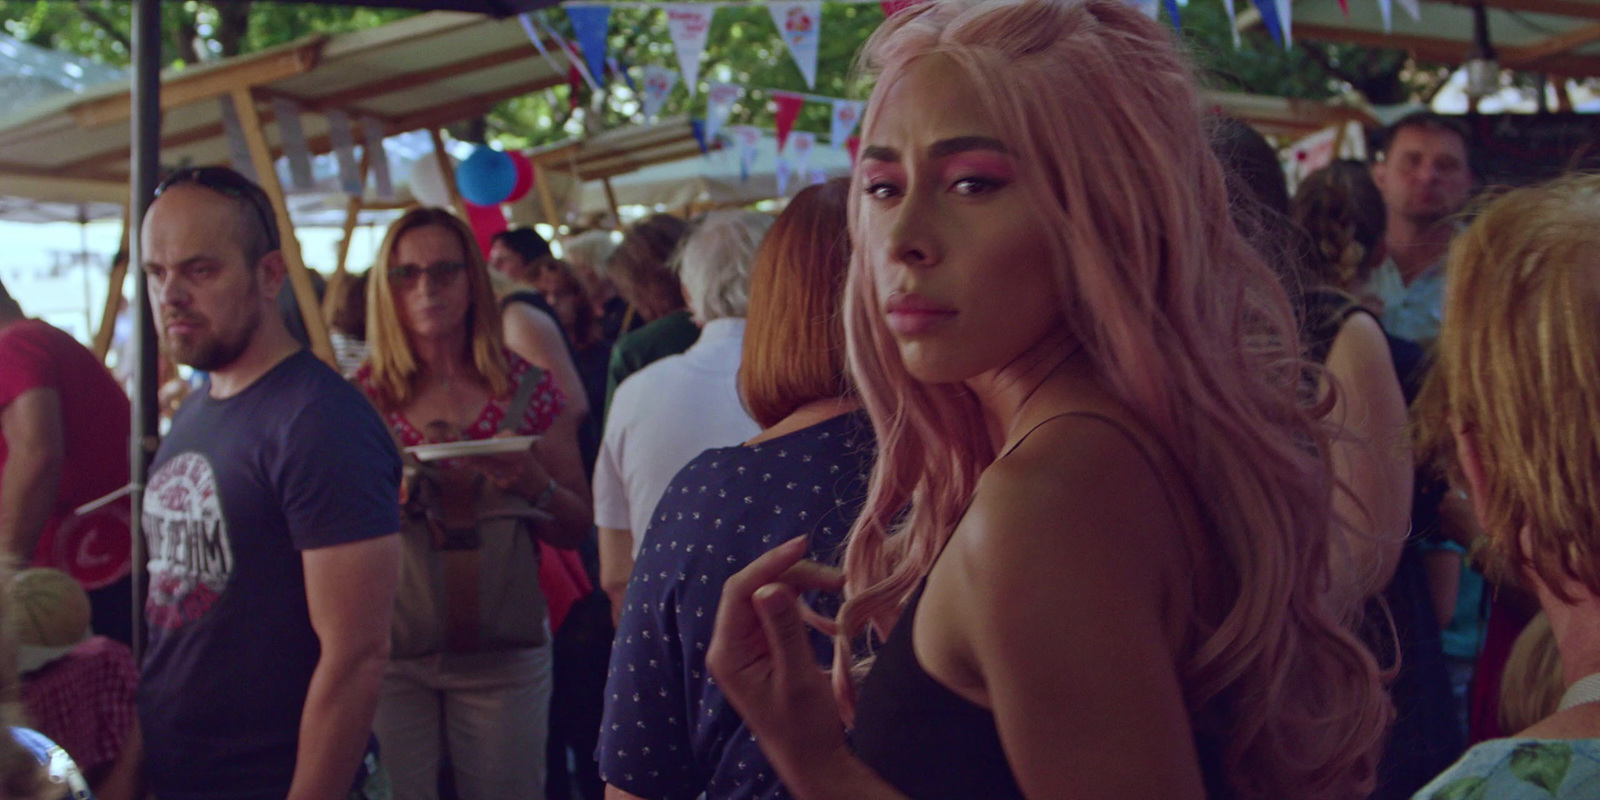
<point>940,149</point>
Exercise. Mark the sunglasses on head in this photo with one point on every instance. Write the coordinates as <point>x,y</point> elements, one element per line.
<point>440,272</point>
<point>226,182</point>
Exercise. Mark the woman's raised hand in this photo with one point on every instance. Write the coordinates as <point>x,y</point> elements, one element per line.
<point>763,660</point>
<point>518,472</point>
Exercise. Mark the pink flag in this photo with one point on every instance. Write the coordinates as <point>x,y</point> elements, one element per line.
<point>787,112</point>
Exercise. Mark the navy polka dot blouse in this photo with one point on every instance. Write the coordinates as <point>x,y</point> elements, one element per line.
<point>668,732</point>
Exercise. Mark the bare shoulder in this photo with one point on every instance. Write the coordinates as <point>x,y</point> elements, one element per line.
<point>1083,493</point>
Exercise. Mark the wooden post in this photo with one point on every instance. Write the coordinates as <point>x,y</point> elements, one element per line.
<point>119,277</point>
<point>449,174</point>
<point>305,294</point>
<point>545,198</point>
<point>611,200</point>
<point>352,213</point>
<point>1563,97</point>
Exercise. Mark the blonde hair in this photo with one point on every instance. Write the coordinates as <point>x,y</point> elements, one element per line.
<point>1517,365</point>
<point>1192,333</point>
<point>394,365</point>
<point>1532,684</point>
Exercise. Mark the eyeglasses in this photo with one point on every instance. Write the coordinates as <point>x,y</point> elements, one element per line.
<point>443,273</point>
<point>226,182</point>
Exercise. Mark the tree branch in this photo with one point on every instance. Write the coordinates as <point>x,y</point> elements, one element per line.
<point>99,20</point>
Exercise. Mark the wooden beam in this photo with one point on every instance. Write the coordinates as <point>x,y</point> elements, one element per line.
<point>119,276</point>
<point>1556,45</point>
<point>1563,97</point>
<point>352,212</point>
<point>546,200</point>
<point>399,83</point>
<point>204,83</point>
<point>466,107</point>
<point>1564,8</point>
<point>305,294</point>
<point>611,200</point>
<point>449,173</point>
<point>1449,51</point>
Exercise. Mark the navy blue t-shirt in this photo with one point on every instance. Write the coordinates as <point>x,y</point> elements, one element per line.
<point>297,461</point>
<point>668,732</point>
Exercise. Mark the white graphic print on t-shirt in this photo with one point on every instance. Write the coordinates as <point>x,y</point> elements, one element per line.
<point>190,556</point>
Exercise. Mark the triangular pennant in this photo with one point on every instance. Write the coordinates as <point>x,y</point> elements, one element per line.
<point>1286,21</point>
<point>748,139</point>
<point>1386,10</point>
<point>720,98</point>
<point>1344,5</point>
<point>591,24</point>
<point>800,23</point>
<point>801,143</point>
<point>853,144</point>
<point>1269,18</point>
<point>1233,22</point>
<point>658,83</point>
<point>621,71</point>
<point>816,176</point>
<point>689,24</point>
<point>846,113</point>
<point>784,170</point>
<point>573,59</point>
<point>787,112</point>
<point>698,129</point>
<point>1151,8</point>
<point>1172,11</point>
<point>538,40</point>
<point>1413,9</point>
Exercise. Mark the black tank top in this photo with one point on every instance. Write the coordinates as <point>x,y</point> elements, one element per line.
<point>927,741</point>
<point>930,743</point>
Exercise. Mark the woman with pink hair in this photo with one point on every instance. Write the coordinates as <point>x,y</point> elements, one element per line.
<point>1094,557</point>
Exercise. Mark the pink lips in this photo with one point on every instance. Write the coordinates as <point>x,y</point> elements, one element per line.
<point>912,315</point>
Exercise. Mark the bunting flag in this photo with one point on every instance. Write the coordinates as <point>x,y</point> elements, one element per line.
<point>573,59</point>
<point>800,145</point>
<point>372,134</point>
<point>590,24</point>
<point>893,7</point>
<point>294,142</point>
<point>1151,8</point>
<point>748,139</point>
<point>853,144</point>
<point>1413,9</point>
<point>658,83</point>
<point>618,69</point>
<point>1344,5</point>
<point>1286,21</point>
<point>344,149</point>
<point>697,127</point>
<point>1269,18</point>
<point>1233,22</point>
<point>689,24</point>
<point>238,148</point>
<point>846,113</point>
<point>816,176</point>
<point>783,171</point>
<point>1172,11</point>
<point>787,112</point>
<point>720,98</point>
<point>800,23</point>
<point>1386,10</point>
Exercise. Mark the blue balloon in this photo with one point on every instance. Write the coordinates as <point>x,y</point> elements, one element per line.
<point>487,177</point>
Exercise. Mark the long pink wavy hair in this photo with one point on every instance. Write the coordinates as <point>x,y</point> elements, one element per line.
<point>1189,329</point>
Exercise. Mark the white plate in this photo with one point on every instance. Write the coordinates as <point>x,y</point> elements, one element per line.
<point>477,447</point>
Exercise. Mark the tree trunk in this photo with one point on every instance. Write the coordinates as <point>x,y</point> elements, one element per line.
<point>233,24</point>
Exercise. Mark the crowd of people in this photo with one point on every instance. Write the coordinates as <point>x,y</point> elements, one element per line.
<point>1060,451</point>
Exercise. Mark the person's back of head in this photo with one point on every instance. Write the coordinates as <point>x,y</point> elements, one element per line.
<point>640,264</point>
<point>714,263</point>
<point>1342,213</point>
<point>348,303</point>
<point>794,335</point>
<point>1258,200</point>
<point>589,252</point>
<point>1532,684</point>
<point>1517,375</point>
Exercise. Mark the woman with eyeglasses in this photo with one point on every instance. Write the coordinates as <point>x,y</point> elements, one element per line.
<point>440,371</point>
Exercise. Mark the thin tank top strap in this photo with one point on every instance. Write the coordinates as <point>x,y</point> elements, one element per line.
<point>1138,444</point>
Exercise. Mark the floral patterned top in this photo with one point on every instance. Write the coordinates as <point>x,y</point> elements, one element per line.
<point>547,402</point>
<point>1521,769</point>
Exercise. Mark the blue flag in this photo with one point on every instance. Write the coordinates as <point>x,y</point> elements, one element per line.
<point>591,24</point>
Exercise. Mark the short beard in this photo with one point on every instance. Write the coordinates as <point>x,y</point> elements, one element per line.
<point>216,353</point>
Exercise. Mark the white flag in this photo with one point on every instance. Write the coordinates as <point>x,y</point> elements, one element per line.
<point>294,142</point>
<point>1233,23</point>
<point>748,139</point>
<point>344,149</point>
<point>846,113</point>
<point>1286,21</point>
<point>800,146</point>
<point>372,132</point>
<point>689,24</point>
<point>658,83</point>
<point>1413,9</point>
<point>1386,10</point>
<point>800,24</point>
<point>720,98</point>
<point>783,171</point>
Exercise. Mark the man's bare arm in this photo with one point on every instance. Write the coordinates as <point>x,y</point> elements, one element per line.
<point>350,589</point>
<point>31,425</point>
